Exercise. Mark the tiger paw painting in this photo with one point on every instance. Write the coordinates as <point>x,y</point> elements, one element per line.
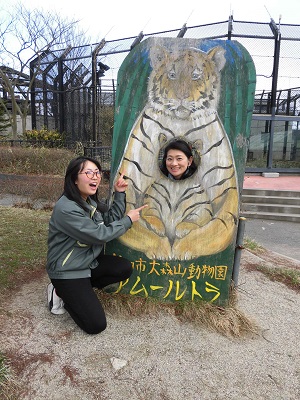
<point>200,93</point>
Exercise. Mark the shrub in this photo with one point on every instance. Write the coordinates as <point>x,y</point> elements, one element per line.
<point>43,134</point>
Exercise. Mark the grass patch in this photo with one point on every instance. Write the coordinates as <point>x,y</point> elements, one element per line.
<point>34,174</point>
<point>252,245</point>
<point>288,276</point>
<point>8,384</point>
<point>23,238</point>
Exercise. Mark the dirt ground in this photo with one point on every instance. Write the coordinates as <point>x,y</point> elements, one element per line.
<point>157,357</point>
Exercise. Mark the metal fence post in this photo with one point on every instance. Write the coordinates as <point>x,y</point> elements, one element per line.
<point>277,38</point>
<point>238,250</point>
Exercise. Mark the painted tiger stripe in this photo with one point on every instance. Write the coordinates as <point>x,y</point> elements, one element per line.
<point>199,203</point>
<point>159,124</point>
<point>217,167</point>
<point>217,144</point>
<point>224,193</point>
<point>153,198</point>
<point>199,128</point>
<point>221,182</point>
<point>142,143</point>
<point>184,198</point>
<point>137,166</point>
<point>163,196</point>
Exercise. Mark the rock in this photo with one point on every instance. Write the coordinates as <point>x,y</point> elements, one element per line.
<point>118,363</point>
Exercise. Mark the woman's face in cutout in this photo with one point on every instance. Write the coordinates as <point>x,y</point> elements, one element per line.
<point>177,163</point>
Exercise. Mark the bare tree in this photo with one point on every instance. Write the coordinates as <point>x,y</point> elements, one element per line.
<point>27,35</point>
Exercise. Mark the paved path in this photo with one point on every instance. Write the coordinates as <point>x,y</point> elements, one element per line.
<point>291,182</point>
<point>278,236</point>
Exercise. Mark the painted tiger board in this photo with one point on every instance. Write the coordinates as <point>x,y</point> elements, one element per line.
<point>196,216</point>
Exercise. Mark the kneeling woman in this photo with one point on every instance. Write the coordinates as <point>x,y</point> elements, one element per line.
<point>78,229</point>
<point>178,162</point>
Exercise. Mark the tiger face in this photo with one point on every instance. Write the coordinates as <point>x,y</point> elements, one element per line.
<point>185,83</point>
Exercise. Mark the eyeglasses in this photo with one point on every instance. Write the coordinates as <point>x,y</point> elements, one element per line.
<point>91,174</point>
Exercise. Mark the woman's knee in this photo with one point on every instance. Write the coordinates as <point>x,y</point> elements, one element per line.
<point>126,269</point>
<point>95,327</point>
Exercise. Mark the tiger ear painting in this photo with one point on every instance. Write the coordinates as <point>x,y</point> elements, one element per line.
<point>201,93</point>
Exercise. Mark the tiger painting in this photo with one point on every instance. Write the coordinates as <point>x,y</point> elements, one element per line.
<point>198,216</point>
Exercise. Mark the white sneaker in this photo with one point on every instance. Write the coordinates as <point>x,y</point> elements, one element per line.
<point>55,303</point>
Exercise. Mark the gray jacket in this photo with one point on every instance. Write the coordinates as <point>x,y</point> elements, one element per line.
<point>76,237</point>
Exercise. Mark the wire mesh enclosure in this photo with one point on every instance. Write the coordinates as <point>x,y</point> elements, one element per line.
<point>74,89</point>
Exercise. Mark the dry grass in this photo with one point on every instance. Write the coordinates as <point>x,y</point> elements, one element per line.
<point>35,176</point>
<point>290,277</point>
<point>38,192</point>
<point>9,387</point>
<point>32,191</point>
<point>31,160</point>
<point>228,321</point>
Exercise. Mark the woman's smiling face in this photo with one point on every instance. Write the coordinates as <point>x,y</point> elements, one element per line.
<point>177,163</point>
<point>88,185</point>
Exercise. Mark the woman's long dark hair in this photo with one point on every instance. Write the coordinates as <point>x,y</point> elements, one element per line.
<point>71,190</point>
<point>183,146</point>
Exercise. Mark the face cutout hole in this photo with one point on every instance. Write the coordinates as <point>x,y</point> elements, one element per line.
<point>178,160</point>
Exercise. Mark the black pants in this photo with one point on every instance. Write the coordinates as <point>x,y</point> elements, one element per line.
<point>78,295</point>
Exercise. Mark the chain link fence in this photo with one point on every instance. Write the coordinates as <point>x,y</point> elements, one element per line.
<point>74,89</point>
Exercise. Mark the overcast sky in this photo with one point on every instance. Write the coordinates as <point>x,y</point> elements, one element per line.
<point>115,19</point>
